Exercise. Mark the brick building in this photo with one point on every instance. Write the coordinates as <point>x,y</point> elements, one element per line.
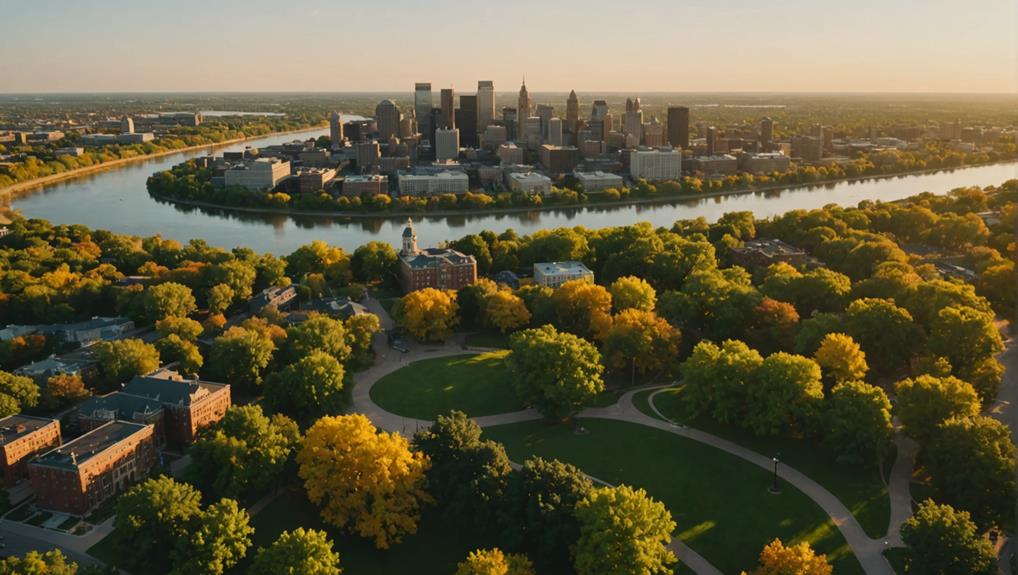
<point>761,253</point>
<point>22,437</point>
<point>440,268</point>
<point>99,410</point>
<point>80,475</point>
<point>188,404</point>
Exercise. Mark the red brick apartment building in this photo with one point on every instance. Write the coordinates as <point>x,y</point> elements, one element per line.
<point>22,437</point>
<point>188,404</point>
<point>80,475</point>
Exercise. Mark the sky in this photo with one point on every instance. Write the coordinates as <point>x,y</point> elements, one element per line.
<point>587,45</point>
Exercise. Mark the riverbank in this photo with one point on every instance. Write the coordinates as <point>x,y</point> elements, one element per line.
<point>660,200</point>
<point>15,191</point>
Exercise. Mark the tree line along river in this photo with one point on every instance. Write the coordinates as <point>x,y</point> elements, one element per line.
<point>117,200</point>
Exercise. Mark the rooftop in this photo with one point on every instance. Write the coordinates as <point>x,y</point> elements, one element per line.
<point>76,452</point>
<point>117,405</point>
<point>435,257</point>
<point>557,268</point>
<point>770,246</point>
<point>14,427</point>
<point>170,387</point>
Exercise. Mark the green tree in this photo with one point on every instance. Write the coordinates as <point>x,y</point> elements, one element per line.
<point>474,245</point>
<point>218,540</point>
<point>537,511</point>
<point>17,392</point>
<point>925,401</point>
<point>239,356</point>
<point>298,552</point>
<point>151,518</point>
<point>360,333</point>
<point>717,378</point>
<point>308,389</point>
<point>632,292</point>
<point>51,562</point>
<point>244,454</point>
<point>321,258</point>
<point>883,330</point>
<point>168,299</point>
<point>318,332</point>
<point>467,474</point>
<point>971,462</point>
<point>623,530</point>
<point>185,353</point>
<point>942,540</point>
<point>556,372</point>
<point>858,421</point>
<point>239,275</point>
<point>185,328</point>
<point>220,298</point>
<point>122,359</point>
<point>965,336</point>
<point>785,394</point>
<point>373,261</point>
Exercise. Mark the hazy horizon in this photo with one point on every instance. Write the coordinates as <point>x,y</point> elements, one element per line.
<point>645,46</point>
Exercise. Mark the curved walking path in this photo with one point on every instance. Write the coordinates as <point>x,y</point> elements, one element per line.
<point>868,551</point>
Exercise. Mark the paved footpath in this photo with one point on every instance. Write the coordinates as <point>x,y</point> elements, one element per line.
<point>868,551</point>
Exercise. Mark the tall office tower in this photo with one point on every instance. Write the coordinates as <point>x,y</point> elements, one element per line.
<point>408,125</point>
<point>632,123</point>
<point>766,134</point>
<point>818,133</point>
<point>127,125</point>
<point>387,115</point>
<point>554,132</point>
<point>653,133</point>
<point>485,104</point>
<point>447,144</point>
<point>436,120</point>
<point>712,140</point>
<point>336,129</point>
<point>545,112</point>
<point>468,127</point>
<point>522,110</point>
<point>572,112</point>
<point>600,120</point>
<point>422,108</point>
<point>678,126</point>
<point>509,121</point>
<point>448,119</point>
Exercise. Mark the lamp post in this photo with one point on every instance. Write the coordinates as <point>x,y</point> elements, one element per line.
<point>774,489</point>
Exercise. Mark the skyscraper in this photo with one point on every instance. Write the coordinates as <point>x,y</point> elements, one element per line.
<point>678,126</point>
<point>766,134</point>
<point>448,117</point>
<point>485,104</point>
<point>522,111</point>
<point>509,121</point>
<point>335,129</point>
<point>554,136</point>
<point>468,126</point>
<point>632,123</point>
<point>600,120</point>
<point>572,112</point>
<point>388,116</point>
<point>545,113</point>
<point>127,125</point>
<point>447,144</point>
<point>422,108</point>
<point>712,140</point>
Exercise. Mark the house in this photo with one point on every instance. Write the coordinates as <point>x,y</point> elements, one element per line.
<point>760,253</point>
<point>554,274</point>
<point>189,405</point>
<point>440,268</point>
<point>22,437</point>
<point>90,331</point>
<point>340,307</point>
<point>279,297</point>
<point>44,369</point>
<point>82,474</point>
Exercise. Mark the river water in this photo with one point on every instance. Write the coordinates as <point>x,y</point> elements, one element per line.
<point>117,200</point>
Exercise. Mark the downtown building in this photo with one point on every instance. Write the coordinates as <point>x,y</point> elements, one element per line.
<point>655,164</point>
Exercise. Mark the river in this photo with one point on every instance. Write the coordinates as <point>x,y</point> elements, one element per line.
<point>117,200</point>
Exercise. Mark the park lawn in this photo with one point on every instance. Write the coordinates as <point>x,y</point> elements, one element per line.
<point>489,339</point>
<point>435,549</point>
<point>476,384</point>
<point>860,488</point>
<point>104,550</point>
<point>720,503</point>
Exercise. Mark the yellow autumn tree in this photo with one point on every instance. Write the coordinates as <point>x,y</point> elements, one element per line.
<point>632,292</point>
<point>365,481</point>
<point>428,314</point>
<point>799,559</point>
<point>494,562</point>
<point>841,358</point>
<point>506,311</point>
<point>583,309</point>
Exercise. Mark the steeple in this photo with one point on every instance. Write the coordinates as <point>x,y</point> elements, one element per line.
<point>409,238</point>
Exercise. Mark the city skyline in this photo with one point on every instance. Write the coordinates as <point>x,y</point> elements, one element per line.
<point>784,46</point>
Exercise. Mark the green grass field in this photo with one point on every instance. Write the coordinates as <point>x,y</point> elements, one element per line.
<point>859,487</point>
<point>475,384</point>
<point>435,550</point>
<point>720,503</point>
